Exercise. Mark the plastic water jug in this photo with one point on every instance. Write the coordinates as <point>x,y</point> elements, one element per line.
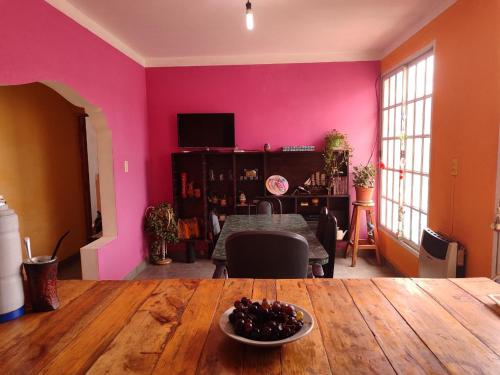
<point>11,282</point>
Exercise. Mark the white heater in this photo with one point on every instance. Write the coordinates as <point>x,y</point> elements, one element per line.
<point>440,257</point>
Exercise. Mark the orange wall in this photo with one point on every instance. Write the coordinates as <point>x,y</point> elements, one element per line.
<point>466,119</point>
<point>40,167</point>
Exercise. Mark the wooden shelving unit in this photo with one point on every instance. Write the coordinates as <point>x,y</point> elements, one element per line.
<point>218,174</point>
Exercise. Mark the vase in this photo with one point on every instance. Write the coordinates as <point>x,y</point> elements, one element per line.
<point>364,194</point>
<point>162,255</point>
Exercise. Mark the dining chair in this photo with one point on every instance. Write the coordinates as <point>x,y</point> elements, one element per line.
<point>317,269</point>
<point>267,255</point>
<point>327,238</point>
<point>264,207</point>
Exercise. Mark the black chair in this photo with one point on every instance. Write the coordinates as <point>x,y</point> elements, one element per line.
<point>264,208</point>
<point>267,255</point>
<point>317,269</point>
<point>330,244</point>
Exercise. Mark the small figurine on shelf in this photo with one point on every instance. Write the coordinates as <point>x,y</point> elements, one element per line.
<point>267,147</point>
<point>190,190</point>
<point>184,185</point>
<point>211,175</point>
<point>243,198</point>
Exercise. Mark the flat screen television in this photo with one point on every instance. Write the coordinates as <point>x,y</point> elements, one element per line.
<point>205,129</point>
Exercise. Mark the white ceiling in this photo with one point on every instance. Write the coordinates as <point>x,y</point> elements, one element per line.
<point>212,32</point>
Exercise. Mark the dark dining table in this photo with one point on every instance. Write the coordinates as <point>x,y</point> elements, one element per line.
<point>286,222</point>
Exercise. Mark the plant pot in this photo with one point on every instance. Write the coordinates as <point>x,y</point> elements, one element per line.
<point>364,194</point>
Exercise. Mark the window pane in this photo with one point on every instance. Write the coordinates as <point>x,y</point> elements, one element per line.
<point>384,152</point>
<point>427,153</point>
<point>425,193</point>
<point>410,118</point>
<point>409,154</point>
<point>383,221</point>
<point>390,184</point>
<point>396,186</point>
<point>390,154</point>
<point>391,122</point>
<point>386,93</point>
<point>399,87</point>
<point>397,124</point>
<point>383,180</point>
<point>423,225</point>
<point>406,223</point>
<point>417,155</point>
<point>419,116</point>
<point>392,90</point>
<point>395,217</point>
<point>415,226</point>
<point>397,154</point>
<point>430,74</point>
<point>407,188</point>
<point>411,82</point>
<point>416,191</point>
<point>428,112</point>
<point>385,123</point>
<point>389,215</point>
<point>420,79</point>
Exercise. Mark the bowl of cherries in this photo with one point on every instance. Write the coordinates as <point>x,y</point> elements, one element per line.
<point>265,323</point>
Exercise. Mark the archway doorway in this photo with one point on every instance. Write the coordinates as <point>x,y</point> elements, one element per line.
<point>106,191</point>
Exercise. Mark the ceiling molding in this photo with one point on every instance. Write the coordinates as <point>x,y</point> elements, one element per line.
<point>438,9</point>
<point>79,17</point>
<point>156,62</point>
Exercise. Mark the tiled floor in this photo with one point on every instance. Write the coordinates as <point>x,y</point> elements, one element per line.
<point>203,268</point>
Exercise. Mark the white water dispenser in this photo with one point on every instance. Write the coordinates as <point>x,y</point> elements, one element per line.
<point>11,282</point>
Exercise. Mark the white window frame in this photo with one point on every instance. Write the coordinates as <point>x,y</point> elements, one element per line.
<point>400,199</point>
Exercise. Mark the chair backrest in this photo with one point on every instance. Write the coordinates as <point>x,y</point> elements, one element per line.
<point>267,255</point>
<point>320,229</point>
<point>329,242</point>
<point>277,205</point>
<point>264,208</point>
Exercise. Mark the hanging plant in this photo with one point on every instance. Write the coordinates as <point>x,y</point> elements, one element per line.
<point>337,153</point>
<point>161,225</point>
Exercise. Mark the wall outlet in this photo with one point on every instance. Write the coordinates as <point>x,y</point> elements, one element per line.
<point>125,166</point>
<point>454,167</point>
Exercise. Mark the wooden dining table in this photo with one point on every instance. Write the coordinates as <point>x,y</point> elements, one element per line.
<point>384,326</point>
<point>278,222</point>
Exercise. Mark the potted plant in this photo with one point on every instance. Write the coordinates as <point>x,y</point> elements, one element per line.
<point>364,182</point>
<point>337,154</point>
<point>161,225</point>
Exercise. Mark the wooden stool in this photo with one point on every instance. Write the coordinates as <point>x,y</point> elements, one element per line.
<point>354,241</point>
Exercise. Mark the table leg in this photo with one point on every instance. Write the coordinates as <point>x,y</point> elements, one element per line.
<point>220,269</point>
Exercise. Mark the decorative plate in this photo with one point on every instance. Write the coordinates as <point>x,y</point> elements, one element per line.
<point>227,328</point>
<point>277,185</point>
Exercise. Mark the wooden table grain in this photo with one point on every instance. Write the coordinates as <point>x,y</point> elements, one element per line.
<point>397,325</point>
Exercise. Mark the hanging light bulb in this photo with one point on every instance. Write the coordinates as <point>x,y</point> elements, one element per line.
<point>249,16</point>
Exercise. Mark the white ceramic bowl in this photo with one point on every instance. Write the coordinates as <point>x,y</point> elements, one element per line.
<point>228,329</point>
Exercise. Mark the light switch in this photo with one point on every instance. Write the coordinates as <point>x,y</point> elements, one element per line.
<point>454,167</point>
<point>125,166</point>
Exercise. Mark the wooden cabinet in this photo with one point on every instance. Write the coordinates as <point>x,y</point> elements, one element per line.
<point>204,181</point>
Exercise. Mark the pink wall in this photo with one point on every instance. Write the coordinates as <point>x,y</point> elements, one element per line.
<point>39,43</point>
<point>285,104</point>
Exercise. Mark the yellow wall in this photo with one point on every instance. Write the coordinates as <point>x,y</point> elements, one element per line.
<point>466,119</point>
<point>40,167</point>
